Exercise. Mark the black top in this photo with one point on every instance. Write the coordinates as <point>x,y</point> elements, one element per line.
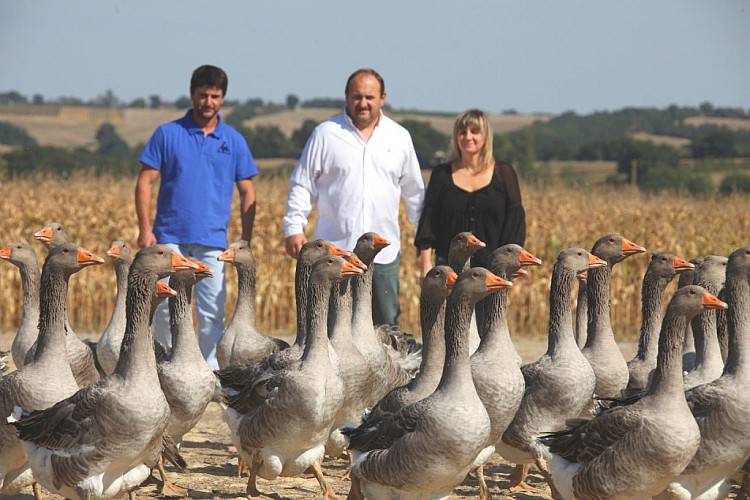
<point>494,213</point>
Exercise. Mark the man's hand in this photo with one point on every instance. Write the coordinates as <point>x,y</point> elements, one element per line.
<point>146,239</point>
<point>293,244</point>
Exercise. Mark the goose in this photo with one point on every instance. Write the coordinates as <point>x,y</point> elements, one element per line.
<point>427,448</point>
<point>234,377</point>
<point>722,407</point>
<point>436,286</point>
<point>241,343</point>
<point>385,372</point>
<point>495,368</point>
<point>661,271</point>
<point>688,346</point>
<point>53,234</point>
<point>23,256</point>
<point>601,350</point>
<point>353,367</point>
<point>102,441</point>
<point>108,345</point>
<point>185,378</point>
<point>560,383</point>
<point>81,354</point>
<point>460,249</point>
<point>634,451</point>
<point>708,366</point>
<point>29,387</point>
<point>281,422</point>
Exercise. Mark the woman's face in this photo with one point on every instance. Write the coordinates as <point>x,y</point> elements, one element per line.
<point>470,141</point>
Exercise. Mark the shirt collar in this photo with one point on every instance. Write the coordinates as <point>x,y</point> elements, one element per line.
<point>350,122</point>
<point>193,127</point>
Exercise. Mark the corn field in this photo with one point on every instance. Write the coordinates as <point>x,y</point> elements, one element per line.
<point>96,211</point>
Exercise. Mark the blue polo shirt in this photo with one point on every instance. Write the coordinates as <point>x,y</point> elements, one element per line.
<point>198,175</point>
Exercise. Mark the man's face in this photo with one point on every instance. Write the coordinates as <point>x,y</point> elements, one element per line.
<point>364,100</point>
<point>207,101</point>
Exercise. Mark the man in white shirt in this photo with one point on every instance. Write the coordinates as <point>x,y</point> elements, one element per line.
<point>355,167</point>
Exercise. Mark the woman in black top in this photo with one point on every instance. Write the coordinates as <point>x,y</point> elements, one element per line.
<point>473,192</point>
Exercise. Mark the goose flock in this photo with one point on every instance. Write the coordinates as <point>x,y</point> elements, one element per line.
<point>93,420</point>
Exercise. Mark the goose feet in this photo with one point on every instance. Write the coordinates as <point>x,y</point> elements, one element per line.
<point>484,491</point>
<point>169,489</point>
<point>518,482</point>
<point>325,488</point>
<point>37,489</point>
<point>354,491</point>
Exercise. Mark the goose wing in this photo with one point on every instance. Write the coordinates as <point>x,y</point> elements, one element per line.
<point>381,432</point>
<point>584,440</point>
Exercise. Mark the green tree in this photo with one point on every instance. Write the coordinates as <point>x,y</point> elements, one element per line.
<point>301,135</point>
<point>268,141</point>
<point>154,101</point>
<point>526,161</point>
<point>183,102</point>
<point>110,143</point>
<point>292,101</point>
<point>15,136</point>
<point>735,183</point>
<point>503,148</point>
<point>428,142</point>
<point>717,143</point>
<point>138,102</point>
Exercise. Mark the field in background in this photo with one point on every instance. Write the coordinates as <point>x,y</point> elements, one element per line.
<point>136,125</point>
<point>96,211</point>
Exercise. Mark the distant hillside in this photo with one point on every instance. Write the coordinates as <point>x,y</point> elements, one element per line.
<point>290,120</point>
<point>136,125</point>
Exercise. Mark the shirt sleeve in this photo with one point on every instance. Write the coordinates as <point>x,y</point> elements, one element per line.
<point>425,237</point>
<point>153,152</point>
<point>245,163</point>
<point>302,190</point>
<point>412,184</point>
<point>514,227</point>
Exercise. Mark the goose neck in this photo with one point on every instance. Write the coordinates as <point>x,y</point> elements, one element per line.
<point>667,377</point>
<point>457,367</point>
<point>652,297</point>
<point>181,320</point>
<point>316,342</point>
<point>597,290</point>
<point>136,352</point>
<point>560,327</point>
<point>244,309</point>
<point>432,316</point>
<point>341,307</point>
<point>52,326</point>
<point>496,336</point>
<point>738,325</point>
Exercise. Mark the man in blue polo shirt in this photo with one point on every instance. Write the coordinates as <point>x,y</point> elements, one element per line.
<point>199,159</point>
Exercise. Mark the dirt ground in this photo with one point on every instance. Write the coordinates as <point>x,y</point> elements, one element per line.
<point>212,465</point>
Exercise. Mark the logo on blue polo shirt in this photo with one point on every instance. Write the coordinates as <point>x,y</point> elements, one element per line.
<point>224,149</point>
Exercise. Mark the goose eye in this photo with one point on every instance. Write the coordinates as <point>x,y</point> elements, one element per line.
<point>580,253</point>
<point>161,252</point>
<point>476,274</point>
<point>66,250</point>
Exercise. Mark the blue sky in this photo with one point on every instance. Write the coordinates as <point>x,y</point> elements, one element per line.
<point>530,56</point>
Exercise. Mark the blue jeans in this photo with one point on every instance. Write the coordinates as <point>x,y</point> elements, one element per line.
<point>385,304</point>
<point>209,294</point>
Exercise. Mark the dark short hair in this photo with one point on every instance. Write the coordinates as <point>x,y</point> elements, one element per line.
<point>365,71</point>
<point>209,76</point>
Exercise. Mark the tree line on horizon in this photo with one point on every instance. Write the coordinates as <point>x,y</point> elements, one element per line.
<point>599,136</point>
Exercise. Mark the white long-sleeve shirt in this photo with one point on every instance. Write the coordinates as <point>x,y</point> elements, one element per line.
<point>356,185</point>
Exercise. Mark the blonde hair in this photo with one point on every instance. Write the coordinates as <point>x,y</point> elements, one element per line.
<point>473,119</point>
